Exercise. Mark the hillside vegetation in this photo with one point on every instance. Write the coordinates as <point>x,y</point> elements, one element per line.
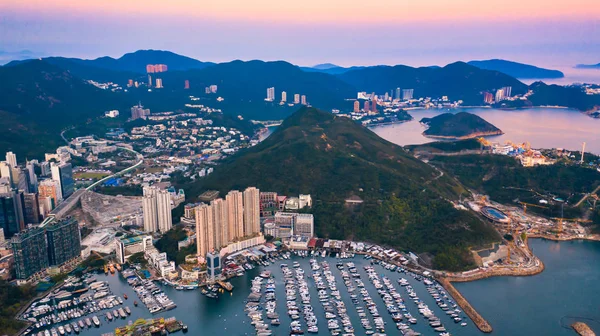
<point>332,158</point>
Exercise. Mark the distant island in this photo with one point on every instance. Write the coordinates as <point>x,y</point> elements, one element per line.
<point>458,126</point>
<point>517,70</point>
<point>588,66</point>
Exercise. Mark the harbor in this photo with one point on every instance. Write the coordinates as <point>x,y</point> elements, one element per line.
<point>358,294</point>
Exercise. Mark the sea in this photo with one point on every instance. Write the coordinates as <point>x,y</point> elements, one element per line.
<point>541,127</point>
<point>544,304</point>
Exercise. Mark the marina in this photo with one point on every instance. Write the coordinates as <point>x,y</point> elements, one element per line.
<point>325,281</point>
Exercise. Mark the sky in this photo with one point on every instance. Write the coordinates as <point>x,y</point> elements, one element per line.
<point>306,32</point>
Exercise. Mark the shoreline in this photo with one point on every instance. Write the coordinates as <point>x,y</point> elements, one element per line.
<point>464,137</point>
<point>481,323</point>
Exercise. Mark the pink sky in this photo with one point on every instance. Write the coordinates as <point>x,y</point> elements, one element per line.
<point>307,32</point>
<point>331,11</point>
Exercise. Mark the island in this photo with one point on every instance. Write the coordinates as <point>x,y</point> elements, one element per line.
<point>459,126</point>
<point>588,66</point>
<point>517,70</point>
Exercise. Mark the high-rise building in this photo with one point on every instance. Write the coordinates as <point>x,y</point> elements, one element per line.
<point>284,224</point>
<point>152,68</point>
<point>213,265</point>
<point>63,174</point>
<point>303,100</point>
<point>220,213</point>
<point>205,235</point>
<point>488,98</point>
<point>356,106</point>
<point>507,91</point>
<point>50,188</point>
<point>367,106</point>
<point>130,83</point>
<point>159,84</point>
<point>11,158</point>
<point>20,179</point>
<point>30,251</point>
<point>64,240</point>
<point>374,104</point>
<point>156,205</point>
<point>235,214</point>
<point>45,168</point>
<point>500,95</point>
<point>150,213</point>
<point>407,94</point>
<point>139,111</point>
<point>283,96</point>
<point>12,217</point>
<point>6,171</point>
<point>304,225</point>
<point>296,98</point>
<point>2,238</point>
<point>186,84</point>
<point>33,181</point>
<point>31,208</point>
<point>251,211</point>
<point>268,203</point>
<point>213,88</point>
<point>163,205</point>
<point>398,96</point>
<point>270,94</point>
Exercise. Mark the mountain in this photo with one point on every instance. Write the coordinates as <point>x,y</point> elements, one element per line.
<point>569,96</point>
<point>325,66</point>
<point>588,66</point>
<point>517,70</point>
<point>244,86</point>
<point>130,65</point>
<point>457,81</point>
<point>461,125</point>
<point>333,158</point>
<point>38,99</point>
<point>331,69</point>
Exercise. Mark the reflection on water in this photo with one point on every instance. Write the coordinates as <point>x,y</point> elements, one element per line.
<point>542,127</point>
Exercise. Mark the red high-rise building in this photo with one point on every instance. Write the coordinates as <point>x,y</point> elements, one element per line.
<point>186,84</point>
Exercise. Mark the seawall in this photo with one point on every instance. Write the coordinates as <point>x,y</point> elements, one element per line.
<point>479,321</point>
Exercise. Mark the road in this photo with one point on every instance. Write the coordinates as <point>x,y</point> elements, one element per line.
<point>587,195</point>
<point>140,156</point>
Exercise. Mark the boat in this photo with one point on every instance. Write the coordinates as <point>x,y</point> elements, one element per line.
<point>127,310</point>
<point>109,316</point>
<point>135,303</point>
<point>125,296</point>
<point>61,330</point>
<point>68,328</point>
<point>96,320</point>
<point>88,322</point>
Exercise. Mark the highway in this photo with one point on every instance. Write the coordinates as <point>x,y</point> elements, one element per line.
<point>140,156</point>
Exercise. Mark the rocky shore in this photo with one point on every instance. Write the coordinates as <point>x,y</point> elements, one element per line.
<point>583,329</point>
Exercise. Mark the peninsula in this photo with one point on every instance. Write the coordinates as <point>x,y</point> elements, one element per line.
<point>458,126</point>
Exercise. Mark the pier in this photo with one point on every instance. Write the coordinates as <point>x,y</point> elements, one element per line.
<point>479,321</point>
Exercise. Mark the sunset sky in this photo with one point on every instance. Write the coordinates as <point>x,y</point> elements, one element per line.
<point>307,32</point>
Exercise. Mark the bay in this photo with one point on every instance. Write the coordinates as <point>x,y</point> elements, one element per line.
<point>541,127</point>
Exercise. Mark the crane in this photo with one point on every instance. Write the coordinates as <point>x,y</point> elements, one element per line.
<point>561,220</point>
<point>530,204</point>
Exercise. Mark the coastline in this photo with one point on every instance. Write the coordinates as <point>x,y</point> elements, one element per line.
<point>464,137</point>
<point>483,325</point>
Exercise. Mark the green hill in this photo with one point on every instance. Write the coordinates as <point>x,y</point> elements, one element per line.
<point>333,158</point>
<point>462,125</point>
<point>457,81</point>
<point>38,99</point>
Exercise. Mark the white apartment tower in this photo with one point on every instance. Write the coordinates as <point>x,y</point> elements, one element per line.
<point>251,211</point>
<point>150,213</point>
<point>11,158</point>
<point>163,205</point>
<point>283,96</point>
